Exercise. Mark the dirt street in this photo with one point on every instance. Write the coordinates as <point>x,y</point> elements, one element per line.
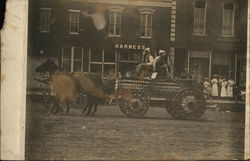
<point>111,136</point>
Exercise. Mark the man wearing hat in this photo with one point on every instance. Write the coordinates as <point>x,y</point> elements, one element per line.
<point>147,62</point>
<point>160,63</point>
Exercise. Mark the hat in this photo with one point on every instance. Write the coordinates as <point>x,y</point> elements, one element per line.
<point>147,49</point>
<point>162,52</point>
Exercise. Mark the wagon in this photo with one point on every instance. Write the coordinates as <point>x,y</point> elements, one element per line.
<point>182,98</point>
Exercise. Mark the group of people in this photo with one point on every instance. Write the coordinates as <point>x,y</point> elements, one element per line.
<point>151,65</point>
<point>219,86</point>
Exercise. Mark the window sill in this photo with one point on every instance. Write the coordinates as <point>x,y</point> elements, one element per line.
<point>118,36</point>
<point>144,37</point>
<point>227,36</point>
<point>196,34</point>
<point>74,33</point>
<point>44,31</point>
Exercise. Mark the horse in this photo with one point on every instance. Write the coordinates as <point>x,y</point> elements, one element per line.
<point>67,87</point>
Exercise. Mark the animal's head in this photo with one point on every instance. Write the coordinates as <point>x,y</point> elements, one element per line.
<point>48,66</point>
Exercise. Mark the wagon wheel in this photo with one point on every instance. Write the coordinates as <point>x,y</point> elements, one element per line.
<point>188,104</point>
<point>137,106</point>
<point>47,98</point>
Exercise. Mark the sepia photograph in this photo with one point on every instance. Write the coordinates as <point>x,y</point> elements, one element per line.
<point>135,80</point>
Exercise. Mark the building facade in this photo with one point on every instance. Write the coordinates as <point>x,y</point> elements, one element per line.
<point>101,36</point>
<point>211,38</point>
<point>203,37</point>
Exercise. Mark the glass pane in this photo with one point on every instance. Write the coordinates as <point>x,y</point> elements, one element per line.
<point>96,68</point>
<point>78,53</point>
<point>143,18</point>
<point>118,30</point>
<point>200,4</point>
<point>67,53</point>
<point>111,29</point>
<point>86,60</point>
<point>118,18</point>
<point>111,18</point>
<point>109,55</point>
<point>96,55</point>
<point>135,56</point>
<point>127,68</point>
<point>149,20</point>
<point>229,6</point>
<point>149,31</point>
<point>77,66</point>
<point>124,55</point>
<point>109,71</point>
<point>67,65</point>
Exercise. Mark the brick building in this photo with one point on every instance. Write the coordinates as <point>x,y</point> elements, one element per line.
<point>211,38</point>
<point>108,36</point>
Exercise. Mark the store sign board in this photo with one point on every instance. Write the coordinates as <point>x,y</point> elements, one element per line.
<point>130,46</point>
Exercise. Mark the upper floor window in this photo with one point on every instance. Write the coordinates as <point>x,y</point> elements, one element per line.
<point>74,21</point>
<point>45,14</point>
<point>146,23</point>
<point>228,19</point>
<point>114,23</point>
<point>200,17</point>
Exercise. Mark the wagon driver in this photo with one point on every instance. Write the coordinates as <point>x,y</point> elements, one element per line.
<point>147,63</point>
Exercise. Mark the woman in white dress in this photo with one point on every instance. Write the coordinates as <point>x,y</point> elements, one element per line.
<point>223,92</point>
<point>230,88</point>
<point>214,82</point>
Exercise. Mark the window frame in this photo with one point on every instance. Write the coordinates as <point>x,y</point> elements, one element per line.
<point>102,62</point>
<point>71,12</point>
<point>72,59</point>
<point>115,24</point>
<point>48,22</point>
<point>204,32</point>
<point>115,10</point>
<point>146,12</point>
<point>223,34</point>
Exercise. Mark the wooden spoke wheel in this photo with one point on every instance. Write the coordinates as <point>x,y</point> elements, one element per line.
<point>136,107</point>
<point>188,104</point>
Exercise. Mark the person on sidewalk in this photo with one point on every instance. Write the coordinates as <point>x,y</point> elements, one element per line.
<point>224,84</point>
<point>230,87</point>
<point>147,63</point>
<point>214,82</point>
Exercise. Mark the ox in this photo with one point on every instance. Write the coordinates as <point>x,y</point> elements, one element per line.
<point>67,86</point>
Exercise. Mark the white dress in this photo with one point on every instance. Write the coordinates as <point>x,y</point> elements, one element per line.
<point>214,82</point>
<point>230,88</point>
<point>223,92</point>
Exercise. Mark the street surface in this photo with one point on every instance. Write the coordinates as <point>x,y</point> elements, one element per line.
<point>110,135</point>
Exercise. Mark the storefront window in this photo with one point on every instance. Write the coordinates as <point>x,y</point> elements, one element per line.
<point>128,60</point>
<point>72,59</point>
<point>223,65</point>
<point>104,62</point>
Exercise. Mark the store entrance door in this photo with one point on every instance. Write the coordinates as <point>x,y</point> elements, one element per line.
<point>199,65</point>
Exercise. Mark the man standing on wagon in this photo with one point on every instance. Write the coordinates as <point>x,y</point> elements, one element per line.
<point>147,63</point>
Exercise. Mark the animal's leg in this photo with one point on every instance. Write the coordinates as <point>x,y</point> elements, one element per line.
<point>53,108</point>
<point>84,109</point>
<point>57,108</point>
<point>95,109</point>
<point>89,109</point>
<point>68,107</point>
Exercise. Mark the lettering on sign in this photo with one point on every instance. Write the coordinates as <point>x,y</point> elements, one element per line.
<point>130,46</point>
